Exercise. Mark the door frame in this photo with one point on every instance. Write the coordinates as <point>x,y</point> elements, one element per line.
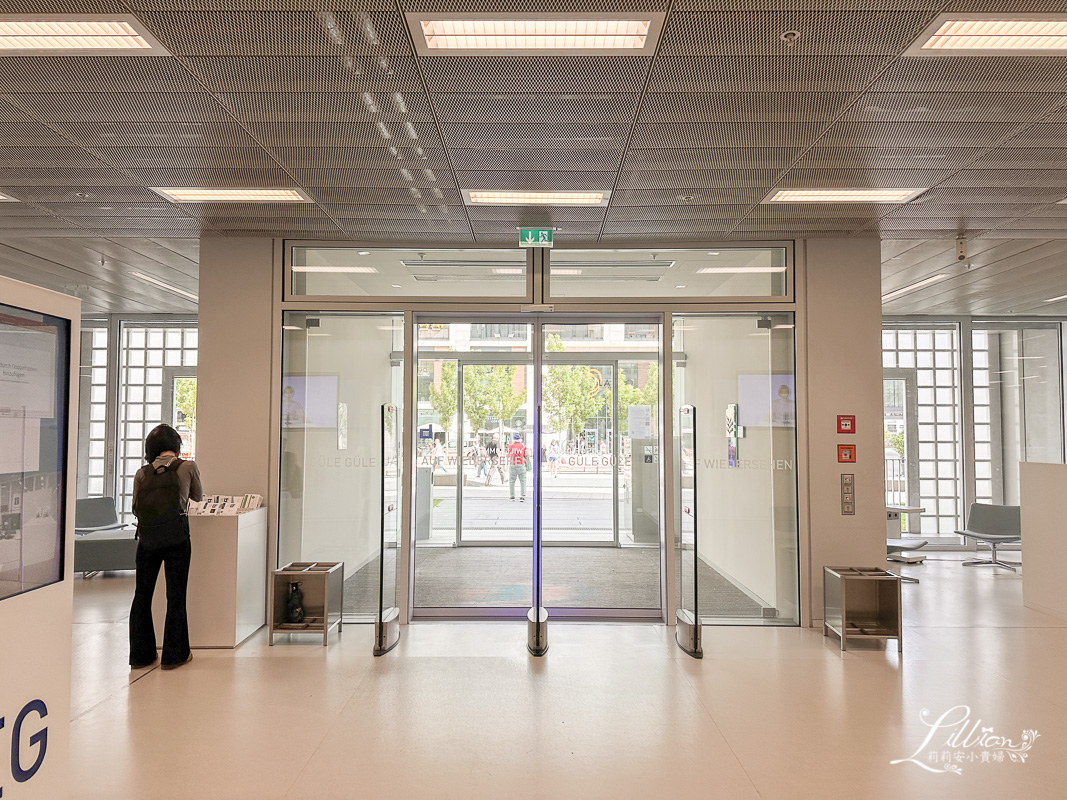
<point>538,359</point>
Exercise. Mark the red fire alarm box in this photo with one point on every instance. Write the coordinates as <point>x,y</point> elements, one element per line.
<point>846,423</point>
<point>846,453</point>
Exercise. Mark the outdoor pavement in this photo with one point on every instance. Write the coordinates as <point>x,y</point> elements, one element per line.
<point>575,507</point>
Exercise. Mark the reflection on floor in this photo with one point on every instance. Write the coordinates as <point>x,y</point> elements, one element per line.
<point>574,577</point>
<point>461,710</point>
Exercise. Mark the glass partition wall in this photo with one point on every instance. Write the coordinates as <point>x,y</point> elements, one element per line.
<point>965,402</point>
<point>338,370</point>
<point>533,457</point>
<point>736,373</point>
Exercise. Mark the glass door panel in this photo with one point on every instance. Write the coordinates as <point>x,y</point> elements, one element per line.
<point>687,621</point>
<point>601,477</point>
<point>473,494</point>
<point>578,449</point>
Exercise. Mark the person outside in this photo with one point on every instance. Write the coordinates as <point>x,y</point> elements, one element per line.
<point>439,456</point>
<point>161,493</point>
<point>517,466</point>
<point>553,458</point>
<point>482,460</point>
<point>492,452</point>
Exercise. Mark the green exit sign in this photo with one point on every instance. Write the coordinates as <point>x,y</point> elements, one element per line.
<point>535,237</point>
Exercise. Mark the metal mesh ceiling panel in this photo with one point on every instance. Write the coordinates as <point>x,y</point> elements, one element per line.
<point>328,96</point>
<point>821,34</point>
<point>280,33</point>
<point>352,74</point>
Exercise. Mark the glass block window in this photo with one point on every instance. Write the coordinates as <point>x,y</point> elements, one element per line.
<point>145,353</point>
<point>983,421</point>
<point>934,356</point>
<point>93,434</point>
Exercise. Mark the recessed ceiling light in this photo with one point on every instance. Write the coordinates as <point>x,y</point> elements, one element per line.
<point>713,253</point>
<point>558,271</point>
<point>985,34</point>
<point>361,270</point>
<point>680,286</point>
<point>509,271</point>
<point>364,252</point>
<point>291,328</point>
<point>913,286</point>
<point>1056,299</point>
<point>844,195</point>
<point>62,34</point>
<point>164,285</point>
<point>476,197</point>
<point>396,285</point>
<point>574,34</point>
<point>200,194</point>
<point>734,270</point>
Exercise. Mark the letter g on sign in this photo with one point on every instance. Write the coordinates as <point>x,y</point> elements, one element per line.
<point>39,739</point>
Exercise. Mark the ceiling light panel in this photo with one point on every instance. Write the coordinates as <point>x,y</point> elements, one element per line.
<point>200,194</point>
<point>61,34</point>
<point>993,34</point>
<point>359,270</point>
<point>479,197</point>
<point>554,34</point>
<point>843,195</point>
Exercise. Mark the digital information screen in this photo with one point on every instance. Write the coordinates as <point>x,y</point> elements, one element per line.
<point>34,377</point>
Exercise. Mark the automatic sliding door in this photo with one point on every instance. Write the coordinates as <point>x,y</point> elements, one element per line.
<point>475,415</point>
<point>601,477</point>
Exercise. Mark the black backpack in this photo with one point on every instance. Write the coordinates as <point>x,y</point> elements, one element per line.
<point>160,521</point>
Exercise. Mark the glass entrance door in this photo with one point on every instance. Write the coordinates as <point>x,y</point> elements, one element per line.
<point>480,459</point>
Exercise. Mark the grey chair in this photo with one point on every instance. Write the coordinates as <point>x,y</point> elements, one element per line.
<point>994,525</point>
<point>92,514</point>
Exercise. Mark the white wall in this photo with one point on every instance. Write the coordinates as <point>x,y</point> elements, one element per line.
<point>1044,537</point>
<point>35,627</point>
<point>842,299</point>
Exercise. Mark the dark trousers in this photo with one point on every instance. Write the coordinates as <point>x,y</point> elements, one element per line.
<point>175,561</point>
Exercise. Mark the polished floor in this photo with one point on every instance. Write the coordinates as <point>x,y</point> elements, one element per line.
<point>459,710</point>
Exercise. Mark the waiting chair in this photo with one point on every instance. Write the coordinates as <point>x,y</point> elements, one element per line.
<point>92,514</point>
<point>994,525</point>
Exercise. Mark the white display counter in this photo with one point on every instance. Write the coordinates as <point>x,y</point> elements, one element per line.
<point>227,597</point>
<point>1042,489</point>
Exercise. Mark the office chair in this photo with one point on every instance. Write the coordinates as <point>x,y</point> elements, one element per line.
<point>994,525</point>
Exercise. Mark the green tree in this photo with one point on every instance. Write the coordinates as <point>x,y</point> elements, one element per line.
<point>185,400</point>
<point>569,392</point>
<point>894,440</point>
<point>444,395</point>
<point>489,391</point>
<point>631,395</point>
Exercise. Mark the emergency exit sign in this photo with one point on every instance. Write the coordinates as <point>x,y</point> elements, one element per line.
<point>535,237</point>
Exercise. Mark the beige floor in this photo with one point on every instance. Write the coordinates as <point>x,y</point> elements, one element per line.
<point>459,710</point>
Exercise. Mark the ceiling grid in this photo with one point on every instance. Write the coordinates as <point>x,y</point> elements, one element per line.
<point>332,97</point>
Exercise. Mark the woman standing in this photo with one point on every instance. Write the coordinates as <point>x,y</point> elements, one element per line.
<point>161,493</point>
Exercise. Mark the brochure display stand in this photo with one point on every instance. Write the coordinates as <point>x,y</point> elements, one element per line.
<point>227,592</point>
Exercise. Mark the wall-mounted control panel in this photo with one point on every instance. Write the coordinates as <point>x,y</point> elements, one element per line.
<point>848,494</point>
